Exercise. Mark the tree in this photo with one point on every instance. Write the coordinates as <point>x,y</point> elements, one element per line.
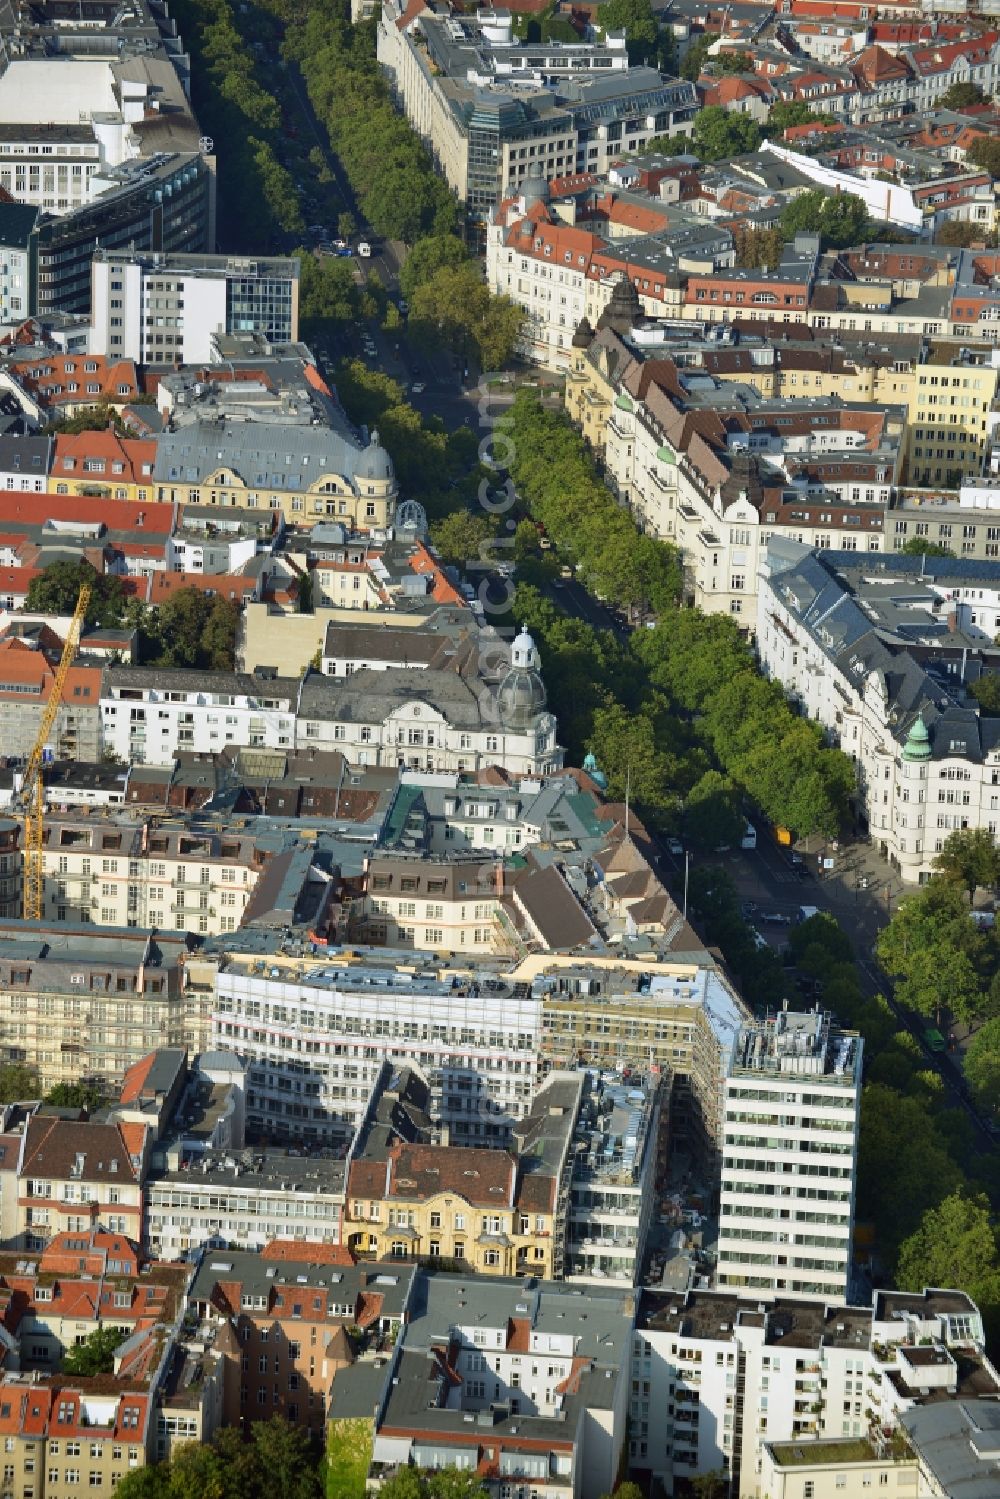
<point>731,63</point>
<point>347,225</point>
<point>787,113</point>
<point>955,1245</point>
<point>281,1451</point>
<point>194,629</point>
<point>442,1483</point>
<point>96,1354</point>
<point>18,1082</point>
<point>970,858</point>
<point>985,152</point>
<point>903,1168</point>
<point>986,691</point>
<point>461,536</point>
<point>960,234</point>
<point>712,1485</point>
<point>719,134</point>
<point>713,812</point>
<point>89,1096</point>
<point>89,419</point>
<point>57,587</point>
<point>757,249</point>
<point>696,56</point>
<point>962,96</point>
<point>982,1067</point>
<point>932,948</point>
<point>840,220</point>
<point>636,19</point>
<point>918,546</point>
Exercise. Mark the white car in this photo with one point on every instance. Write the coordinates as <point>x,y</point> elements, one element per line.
<point>364,249</point>
<point>418,387</point>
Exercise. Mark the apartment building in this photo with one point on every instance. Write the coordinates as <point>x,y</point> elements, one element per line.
<point>451,1202</point>
<point>280,1320</point>
<point>529,1390</point>
<point>441,905</point>
<point>139,872</point>
<point>55,1433</point>
<point>561,266</point>
<point>159,308</point>
<point>102,464</point>
<point>483,705</point>
<point>789,1158</point>
<point>602,1136</point>
<point>719,470</point>
<point>315,1037</point>
<point>949,425</point>
<point>149,715</point>
<point>881,659</point>
<point>717,1380</point>
<point>25,461</point>
<point>71,1176</point>
<point>83,1001</point>
<point>81,1281</point>
<point>306,472</point>
<point>27,679</point>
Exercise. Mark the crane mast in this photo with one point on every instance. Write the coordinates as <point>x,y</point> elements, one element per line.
<point>32,794</point>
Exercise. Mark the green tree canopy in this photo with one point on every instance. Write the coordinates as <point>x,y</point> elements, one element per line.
<point>788,113</point>
<point>985,152</point>
<point>970,858</point>
<point>981,1066</point>
<point>57,587</point>
<point>636,19</point>
<point>840,219</point>
<point>918,546</point>
<point>696,56</point>
<point>433,253</point>
<point>903,1169</point>
<point>421,1483</point>
<point>18,1082</point>
<point>96,1354</point>
<point>89,1096</point>
<point>986,691</point>
<point>713,812</point>
<point>962,96</point>
<point>954,1245</point>
<point>719,134</point>
<point>461,536</point>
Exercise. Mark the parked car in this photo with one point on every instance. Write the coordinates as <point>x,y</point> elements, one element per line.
<point>418,387</point>
<point>675,846</point>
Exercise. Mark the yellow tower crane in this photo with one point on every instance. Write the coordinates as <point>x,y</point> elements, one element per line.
<point>32,794</point>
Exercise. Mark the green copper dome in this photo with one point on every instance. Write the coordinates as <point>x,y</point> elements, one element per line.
<point>918,743</point>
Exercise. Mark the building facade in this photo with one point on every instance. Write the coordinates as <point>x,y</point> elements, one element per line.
<point>160,308</point>
<point>789,1157</point>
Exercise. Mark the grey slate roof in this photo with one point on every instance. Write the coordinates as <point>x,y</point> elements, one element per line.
<point>264,456</point>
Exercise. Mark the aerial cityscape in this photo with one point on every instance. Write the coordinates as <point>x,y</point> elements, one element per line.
<point>500,749</point>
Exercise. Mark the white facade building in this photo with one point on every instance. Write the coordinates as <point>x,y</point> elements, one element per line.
<point>786,1220</point>
<point>715,1378</point>
<point>148,715</point>
<point>315,1039</point>
<point>151,307</point>
<point>838,641</point>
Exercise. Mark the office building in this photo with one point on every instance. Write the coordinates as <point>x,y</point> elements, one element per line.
<point>163,308</point>
<point>494,111</point>
<point>789,1156</point>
